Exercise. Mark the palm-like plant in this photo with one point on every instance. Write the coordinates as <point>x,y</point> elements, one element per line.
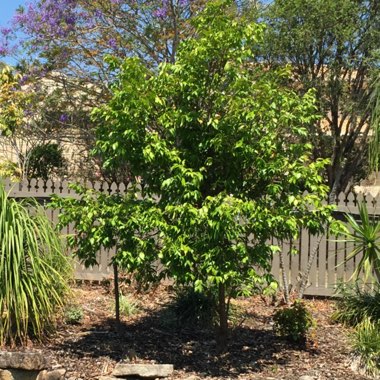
<point>33,270</point>
<point>365,236</point>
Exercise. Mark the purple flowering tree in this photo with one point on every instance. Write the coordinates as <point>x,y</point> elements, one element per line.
<point>75,35</point>
<point>63,43</point>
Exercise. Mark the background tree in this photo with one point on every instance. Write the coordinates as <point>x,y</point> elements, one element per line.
<point>62,51</point>
<point>64,42</point>
<point>28,130</point>
<point>216,144</point>
<point>331,46</point>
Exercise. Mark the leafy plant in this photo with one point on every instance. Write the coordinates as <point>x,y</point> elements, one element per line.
<point>9,169</point>
<point>357,304</point>
<point>127,306</point>
<point>33,271</point>
<point>364,235</point>
<point>73,315</point>
<point>294,322</point>
<point>210,138</point>
<point>366,343</point>
<point>194,308</point>
<point>44,161</point>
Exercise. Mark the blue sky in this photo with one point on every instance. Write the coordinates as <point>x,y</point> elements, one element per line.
<point>7,9</point>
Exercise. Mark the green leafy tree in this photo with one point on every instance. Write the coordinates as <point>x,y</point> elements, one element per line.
<point>217,146</point>
<point>331,46</point>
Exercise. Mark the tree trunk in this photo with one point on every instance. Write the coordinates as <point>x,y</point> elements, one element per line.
<point>313,254</point>
<point>117,294</point>
<point>284,278</point>
<point>223,319</point>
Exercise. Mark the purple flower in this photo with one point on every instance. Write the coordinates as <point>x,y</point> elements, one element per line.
<point>161,12</point>
<point>49,18</point>
<point>4,50</point>
<point>112,43</point>
<point>23,80</point>
<point>98,13</point>
<point>28,112</point>
<point>5,31</point>
<point>64,118</point>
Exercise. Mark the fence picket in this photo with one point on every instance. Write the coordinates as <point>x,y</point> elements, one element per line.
<point>327,270</point>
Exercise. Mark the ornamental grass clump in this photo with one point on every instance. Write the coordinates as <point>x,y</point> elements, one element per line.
<point>357,303</point>
<point>366,344</point>
<point>34,271</point>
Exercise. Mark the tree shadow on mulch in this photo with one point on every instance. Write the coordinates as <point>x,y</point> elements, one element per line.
<point>158,338</point>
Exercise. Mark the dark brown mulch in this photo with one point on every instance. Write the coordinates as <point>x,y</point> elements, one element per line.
<point>92,348</point>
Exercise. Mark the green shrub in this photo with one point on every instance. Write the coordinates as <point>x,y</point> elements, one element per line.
<point>9,169</point>
<point>127,306</point>
<point>366,343</point>
<point>44,161</point>
<point>293,322</point>
<point>356,304</point>
<point>33,271</point>
<point>193,308</point>
<point>73,315</point>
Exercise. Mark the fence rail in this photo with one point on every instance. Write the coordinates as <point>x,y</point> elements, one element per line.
<point>328,269</point>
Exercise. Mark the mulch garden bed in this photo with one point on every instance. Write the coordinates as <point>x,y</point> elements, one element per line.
<point>93,347</point>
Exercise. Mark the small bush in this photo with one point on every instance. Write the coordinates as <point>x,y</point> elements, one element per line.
<point>127,306</point>
<point>44,161</point>
<point>194,309</point>
<point>293,322</point>
<point>9,169</point>
<point>356,305</point>
<point>366,343</point>
<point>73,315</point>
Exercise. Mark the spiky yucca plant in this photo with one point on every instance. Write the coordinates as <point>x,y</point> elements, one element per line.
<point>364,234</point>
<point>33,271</point>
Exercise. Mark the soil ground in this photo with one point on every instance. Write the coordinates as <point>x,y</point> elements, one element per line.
<point>93,347</point>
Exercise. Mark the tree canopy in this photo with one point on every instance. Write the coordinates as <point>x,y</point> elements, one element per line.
<point>218,146</point>
<point>331,46</point>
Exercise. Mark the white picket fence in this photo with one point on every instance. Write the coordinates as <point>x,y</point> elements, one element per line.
<point>328,268</point>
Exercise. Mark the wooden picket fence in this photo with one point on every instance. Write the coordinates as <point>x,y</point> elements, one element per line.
<point>327,271</point>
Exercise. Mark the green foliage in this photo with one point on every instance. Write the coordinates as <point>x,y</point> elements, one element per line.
<point>210,136</point>
<point>364,236</point>
<point>195,309</point>
<point>294,322</point>
<point>331,46</point>
<point>128,306</point>
<point>33,271</point>
<point>127,222</point>
<point>12,100</point>
<point>73,314</point>
<point>219,148</point>
<point>357,304</point>
<point>9,169</point>
<point>366,343</point>
<point>43,161</point>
